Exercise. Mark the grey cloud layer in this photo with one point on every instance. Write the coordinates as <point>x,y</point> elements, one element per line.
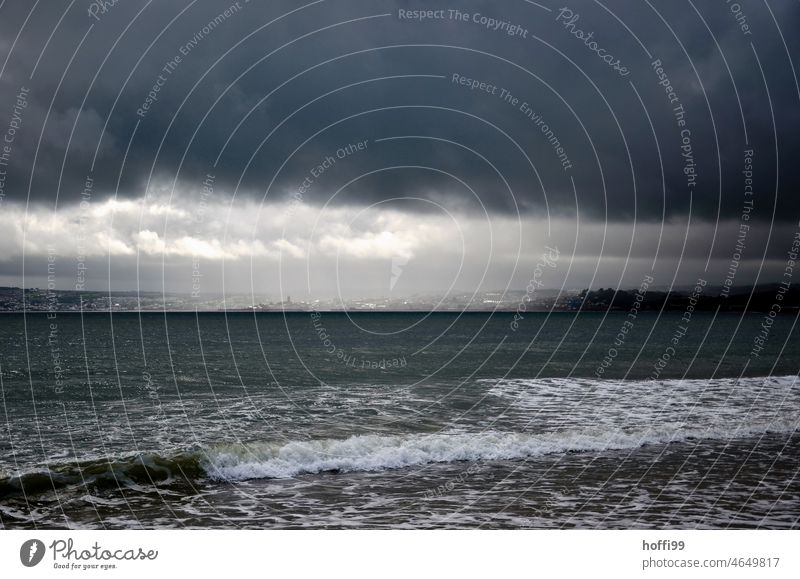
<point>88,86</point>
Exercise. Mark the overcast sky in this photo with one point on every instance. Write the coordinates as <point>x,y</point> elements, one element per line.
<point>354,148</point>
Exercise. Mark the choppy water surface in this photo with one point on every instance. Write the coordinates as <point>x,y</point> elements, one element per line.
<point>397,420</point>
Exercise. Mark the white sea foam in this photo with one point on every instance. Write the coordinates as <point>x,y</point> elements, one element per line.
<point>548,403</point>
<point>374,453</point>
<point>529,391</point>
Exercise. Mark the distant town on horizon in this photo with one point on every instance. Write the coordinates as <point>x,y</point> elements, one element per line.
<point>753,299</point>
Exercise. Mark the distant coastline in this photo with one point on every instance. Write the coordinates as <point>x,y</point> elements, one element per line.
<point>758,299</point>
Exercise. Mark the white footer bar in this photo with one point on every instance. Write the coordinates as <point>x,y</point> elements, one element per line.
<point>387,554</point>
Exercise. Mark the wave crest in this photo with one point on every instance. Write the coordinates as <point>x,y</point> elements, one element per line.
<point>362,453</point>
<point>374,453</point>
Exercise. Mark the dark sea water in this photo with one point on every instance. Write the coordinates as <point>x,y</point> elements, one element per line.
<point>398,421</point>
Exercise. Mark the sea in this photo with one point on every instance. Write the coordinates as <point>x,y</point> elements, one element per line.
<point>405,420</point>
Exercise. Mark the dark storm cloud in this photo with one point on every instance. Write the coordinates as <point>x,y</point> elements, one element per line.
<point>89,79</point>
